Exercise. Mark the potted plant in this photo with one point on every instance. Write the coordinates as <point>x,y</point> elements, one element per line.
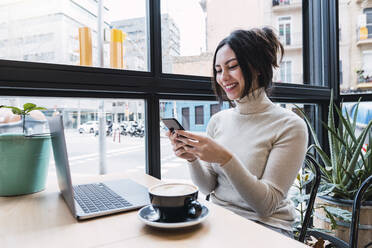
<point>343,170</point>
<point>25,155</point>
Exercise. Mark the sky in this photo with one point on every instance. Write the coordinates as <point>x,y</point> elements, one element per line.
<point>187,14</point>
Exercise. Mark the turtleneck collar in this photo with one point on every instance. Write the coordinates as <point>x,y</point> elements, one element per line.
<point>256,102</point>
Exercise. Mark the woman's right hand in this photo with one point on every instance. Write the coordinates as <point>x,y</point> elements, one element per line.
<point>178,147</point>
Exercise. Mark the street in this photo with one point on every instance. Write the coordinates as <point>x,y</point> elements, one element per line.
<point>128,155</point>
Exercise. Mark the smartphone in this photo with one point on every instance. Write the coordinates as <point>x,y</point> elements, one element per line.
<point>172,124</point>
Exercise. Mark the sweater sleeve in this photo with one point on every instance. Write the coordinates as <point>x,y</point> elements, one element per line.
<point>283,163</point>
<point>202,173</point>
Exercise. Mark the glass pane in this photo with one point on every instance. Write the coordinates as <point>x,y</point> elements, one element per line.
<point>123,131</point>
<point>66,32</point>
<point>174,168</point>
<point>364,115</point>
<point>188,43</point>
<point>355,47</point>
<point>188,114</point>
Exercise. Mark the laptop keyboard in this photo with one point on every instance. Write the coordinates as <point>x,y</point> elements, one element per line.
<point>98,197</point>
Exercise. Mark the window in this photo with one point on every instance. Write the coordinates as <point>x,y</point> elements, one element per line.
<point>355,53</point>
<point>367,66</point>
<point>199,115</point>
<point>185,117</point>
<point>214,108</point>
<point>341,76</point>
<point>188,43</point>
<point>40,31</point>
<point>368,16</point>
<point>285,30</point>
<point>172,167</point>
<point>66,32</point>
<point>124,143</point>
<point>285,71</point>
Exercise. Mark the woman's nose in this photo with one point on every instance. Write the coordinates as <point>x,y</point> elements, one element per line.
<point>225,75</point>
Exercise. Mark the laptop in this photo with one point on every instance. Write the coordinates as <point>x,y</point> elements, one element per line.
<point>96,199</point>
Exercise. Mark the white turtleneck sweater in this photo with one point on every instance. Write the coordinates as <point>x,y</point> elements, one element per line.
<point>268,144</point>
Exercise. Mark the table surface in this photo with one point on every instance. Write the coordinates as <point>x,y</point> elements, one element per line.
<point>44,220</point>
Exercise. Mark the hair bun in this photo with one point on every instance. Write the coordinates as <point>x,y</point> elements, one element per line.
<point>275,46</point>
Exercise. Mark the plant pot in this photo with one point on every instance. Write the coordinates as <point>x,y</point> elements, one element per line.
<point>13,127</point>
<point>343,228</point>
<point>24,163</point>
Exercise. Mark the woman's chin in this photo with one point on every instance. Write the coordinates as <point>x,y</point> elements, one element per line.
<point>233,97</point>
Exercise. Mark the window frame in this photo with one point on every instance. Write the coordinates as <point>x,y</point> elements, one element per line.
<point>284,22</point>
<point>19,78</point>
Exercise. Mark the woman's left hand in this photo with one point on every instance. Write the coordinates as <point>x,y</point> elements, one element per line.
<point>204,148</point>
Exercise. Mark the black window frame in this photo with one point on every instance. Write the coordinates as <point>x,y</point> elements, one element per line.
<point>320,67</point>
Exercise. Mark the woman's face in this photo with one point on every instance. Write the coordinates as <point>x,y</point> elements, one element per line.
<point>229,74</point>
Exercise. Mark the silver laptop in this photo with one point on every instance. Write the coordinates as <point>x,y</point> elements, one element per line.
<point>96,199</point>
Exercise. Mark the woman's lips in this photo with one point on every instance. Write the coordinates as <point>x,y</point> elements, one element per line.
<point>230,87</point>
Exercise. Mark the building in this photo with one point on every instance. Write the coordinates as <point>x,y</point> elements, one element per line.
<point>47,30</point>
<point>355,45</point>
<point>136,42</point>
<point>284,16</point>
<point>192,115</point>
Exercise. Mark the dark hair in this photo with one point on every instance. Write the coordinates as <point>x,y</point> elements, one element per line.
<point>256,51</point>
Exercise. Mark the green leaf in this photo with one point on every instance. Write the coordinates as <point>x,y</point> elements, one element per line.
<point>339,213</point>
<point>325,160</point>
<point>15,110</point>
<point>312,131</point>
<point>331,218</point>
<point>325,188</point>
<point>28,106</point>
<point>343,168</point>
<point>297,199</point>
<point>356,154</point>
<point>39,108</point>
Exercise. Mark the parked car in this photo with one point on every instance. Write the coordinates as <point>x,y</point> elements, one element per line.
<point>88,127</point>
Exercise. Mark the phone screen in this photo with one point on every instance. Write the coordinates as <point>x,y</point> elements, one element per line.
<point>172,124</point>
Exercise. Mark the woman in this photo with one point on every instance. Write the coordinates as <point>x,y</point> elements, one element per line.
<point>253,151</point>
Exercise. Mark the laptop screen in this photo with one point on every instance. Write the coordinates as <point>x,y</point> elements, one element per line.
<point>61,160</point>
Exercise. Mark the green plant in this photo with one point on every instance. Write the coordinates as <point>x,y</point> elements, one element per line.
<point>299,197</point>
<point>27,108</point>
<point>346,166</point>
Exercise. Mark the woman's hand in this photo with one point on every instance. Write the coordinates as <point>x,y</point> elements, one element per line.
<point>203,147</point>
<point>178,147</point>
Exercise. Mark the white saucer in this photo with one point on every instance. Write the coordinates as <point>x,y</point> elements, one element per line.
<point>150,217</point>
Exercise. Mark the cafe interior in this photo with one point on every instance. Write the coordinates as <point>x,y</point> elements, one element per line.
<point>86,87</point>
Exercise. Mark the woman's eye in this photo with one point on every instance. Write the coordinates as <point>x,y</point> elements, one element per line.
<point>233,66</point>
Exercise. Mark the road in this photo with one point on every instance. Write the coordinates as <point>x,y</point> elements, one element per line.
<point>128,155</point>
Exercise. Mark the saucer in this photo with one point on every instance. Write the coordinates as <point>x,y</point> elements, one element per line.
<point>149,216</point>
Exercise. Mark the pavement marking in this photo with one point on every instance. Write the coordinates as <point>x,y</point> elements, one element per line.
<point>79,159</point>
<point>171,165</point>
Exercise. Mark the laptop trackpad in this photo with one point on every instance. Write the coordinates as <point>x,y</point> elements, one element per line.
<point>133,192</point>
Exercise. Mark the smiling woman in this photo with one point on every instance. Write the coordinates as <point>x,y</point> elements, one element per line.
<point>240,69</point>
<point>252,152</point>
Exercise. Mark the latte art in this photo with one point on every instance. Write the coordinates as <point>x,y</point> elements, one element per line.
<point>173,189</point>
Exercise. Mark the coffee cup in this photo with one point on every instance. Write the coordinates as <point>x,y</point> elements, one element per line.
<point>175,201</point>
